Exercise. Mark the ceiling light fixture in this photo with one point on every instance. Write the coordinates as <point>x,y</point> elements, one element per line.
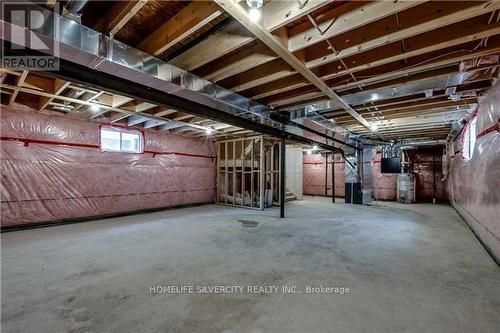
<point>315,147</point>
<point>254,13</point>
<point>373,127</point>
<point>94,108</point>
<point>209,130</point>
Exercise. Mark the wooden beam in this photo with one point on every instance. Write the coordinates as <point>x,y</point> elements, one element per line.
<point>308,98</point>
<point>227,40</point>
<point>452,36</point>
<point>456,35</point>
<point>237,62</point>
<point>187,21</point>
<point>369,13</point>
<point>276,14</point>
<point>164,112</point>
<point>443,14</point>
<point>73,100</point>
<point>19,83</point>
<point>424,26</point>
<point>446,58</point>
<point>88,96</point>
<point>409,100</point>
<point>123,102</point>
<point>118,15</point>
<point>239,13</point>
<point>409,111</point>
<point>279,30</point>
<point>268,72</point>
<point>58,88</point>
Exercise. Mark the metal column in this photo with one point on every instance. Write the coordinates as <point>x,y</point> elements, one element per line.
<point>282,178</point>
<point>433,177</point>
<point>333,177</point>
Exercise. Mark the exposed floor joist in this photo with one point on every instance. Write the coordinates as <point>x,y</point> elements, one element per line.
<point>239,13</point>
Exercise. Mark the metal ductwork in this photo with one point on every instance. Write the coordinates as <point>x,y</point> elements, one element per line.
<point>86,56</point>
<point>412,144</point>
<point>73,9</point>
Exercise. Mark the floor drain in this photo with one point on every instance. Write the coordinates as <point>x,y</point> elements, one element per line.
<point>248,224</point>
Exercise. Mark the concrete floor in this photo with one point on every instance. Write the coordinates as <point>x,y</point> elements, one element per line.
<point>409,268</point>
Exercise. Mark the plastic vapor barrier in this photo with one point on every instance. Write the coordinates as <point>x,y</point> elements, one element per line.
<point>384,184</point>
<point>473,185</point>
<point>317,180</point>
<point>53,169</point>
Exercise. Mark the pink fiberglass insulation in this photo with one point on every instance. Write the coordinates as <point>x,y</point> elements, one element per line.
<point>315,179</point>
<point>474,185</point>
<point>318,180</point>
<point>426,164</point>
<point>314,174</point>
<point>384,184</point>
<point>44,181</point>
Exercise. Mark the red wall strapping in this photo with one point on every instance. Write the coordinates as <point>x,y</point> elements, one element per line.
<point>44,181</point>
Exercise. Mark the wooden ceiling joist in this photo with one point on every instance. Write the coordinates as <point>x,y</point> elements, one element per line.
<point>361,16</point>
<point>411,100</point>
<point>441,16</point>
<point>237,62</point>
<point>232,38</point>
<point>457,35</point>
<point>275,44</point>
<point>57,89</point>
<point>118,15</point>
<point>349,17</point>
<point>190,19</point>
<point>19,82</point>
<point>439,61</point>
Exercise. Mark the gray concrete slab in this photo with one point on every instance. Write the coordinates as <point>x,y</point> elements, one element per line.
<point>409,268</point>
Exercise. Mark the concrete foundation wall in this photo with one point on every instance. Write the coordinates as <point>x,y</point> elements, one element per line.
<point>45,181</point>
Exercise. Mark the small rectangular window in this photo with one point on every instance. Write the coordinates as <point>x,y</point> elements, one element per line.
<point>121,140</point>
<point>469,139</point>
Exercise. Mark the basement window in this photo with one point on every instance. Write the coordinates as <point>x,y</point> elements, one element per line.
<point>121,140</point>
<point>469,139</point>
